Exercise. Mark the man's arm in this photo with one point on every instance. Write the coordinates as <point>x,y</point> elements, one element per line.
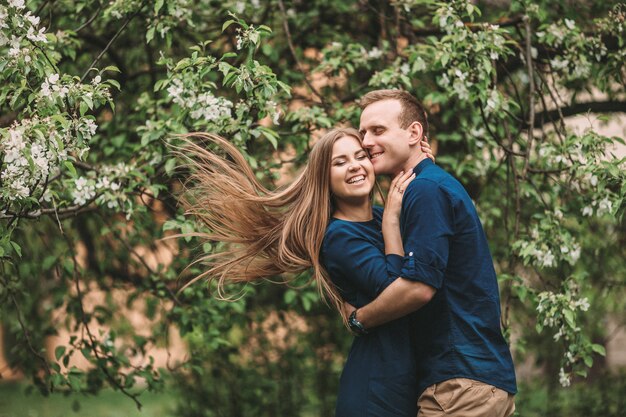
<point>427,220</point>
<point>400,298</point>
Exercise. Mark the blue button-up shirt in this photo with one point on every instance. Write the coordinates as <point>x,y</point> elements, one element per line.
<point>458,331</point>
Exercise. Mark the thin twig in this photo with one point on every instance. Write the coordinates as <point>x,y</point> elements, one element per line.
<point>24,329</point>
<point>106,48</point>
<point>293,52</point>
<point>92,339</point>
<point>60,213</point>
<point>91,19</point>
<point>494,136</point>
<point>531,94</point>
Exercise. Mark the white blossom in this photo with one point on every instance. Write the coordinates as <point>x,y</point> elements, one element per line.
<point>493,102</point>
<point>460,89</point>
<point>444,80</point>
<point>559,63</point>
<point>18,4</point>
<point>374,53</point>
<point>84,191</point>
<point>34,36</point>
<point>564,378</point>
<point>605,206</point>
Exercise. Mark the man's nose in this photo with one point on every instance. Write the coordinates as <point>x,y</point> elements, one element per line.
<point>367,140</point>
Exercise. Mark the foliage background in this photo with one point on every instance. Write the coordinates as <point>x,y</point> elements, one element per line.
<point>91,93</point>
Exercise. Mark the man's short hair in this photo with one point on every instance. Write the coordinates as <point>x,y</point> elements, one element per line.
<point>412,110</point>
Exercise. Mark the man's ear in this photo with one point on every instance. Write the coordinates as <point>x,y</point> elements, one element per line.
<point>416,131</point>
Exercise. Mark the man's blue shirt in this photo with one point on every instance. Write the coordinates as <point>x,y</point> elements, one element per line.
<point>445,247</point>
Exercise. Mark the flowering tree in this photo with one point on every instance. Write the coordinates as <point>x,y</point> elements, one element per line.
<point>92,93</point>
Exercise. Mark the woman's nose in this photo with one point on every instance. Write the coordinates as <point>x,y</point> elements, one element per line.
<point>354,166</point>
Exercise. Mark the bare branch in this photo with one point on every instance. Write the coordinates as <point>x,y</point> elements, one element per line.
<point>90,21</point>
<point>531,94</point>
<point>92,339</point>
<point>106,48</point>
<point>293,52</point>
<point>610,106</point>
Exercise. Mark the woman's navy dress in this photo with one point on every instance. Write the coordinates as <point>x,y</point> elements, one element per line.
<point>379,377</point>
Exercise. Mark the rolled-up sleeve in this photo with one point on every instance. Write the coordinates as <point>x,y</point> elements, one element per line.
<point>427,226</point>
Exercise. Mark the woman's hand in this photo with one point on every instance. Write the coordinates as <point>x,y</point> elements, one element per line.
<point>393,205</point>
<point>427,149</point>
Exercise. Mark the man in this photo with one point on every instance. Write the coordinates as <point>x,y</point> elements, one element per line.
<point>464,364</point>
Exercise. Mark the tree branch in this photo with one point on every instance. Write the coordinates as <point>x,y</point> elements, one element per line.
<point>90,21</point>
<point>92,339</point>
<point>610,106</point>
<point>531,94</point>
<point>117,34</point>
<point>293,52</point>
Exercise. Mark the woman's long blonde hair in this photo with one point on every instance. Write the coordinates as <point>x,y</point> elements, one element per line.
<point>267,232</point>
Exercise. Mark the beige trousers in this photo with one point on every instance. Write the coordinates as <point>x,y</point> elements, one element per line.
<point>464,397</point>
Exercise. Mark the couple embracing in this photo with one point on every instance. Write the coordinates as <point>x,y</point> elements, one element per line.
<point>415,282</point>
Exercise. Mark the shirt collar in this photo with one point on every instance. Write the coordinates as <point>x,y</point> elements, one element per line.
<point>422,165</point>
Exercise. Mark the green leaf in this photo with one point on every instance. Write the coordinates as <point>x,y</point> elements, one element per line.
<point>83,108</point>
<point>70,166</point>
<point>227,24</point>
<point>86,353</point>
<point>48,262</point>
<point>157,5</point>
<point>59,352</point>
<point>150,34</point>
<point>89,101</point>
<point>569,317</point>
<point>599,349</point>
<point>115,84</point>
<point>170,165</point>
<point>17,249</point>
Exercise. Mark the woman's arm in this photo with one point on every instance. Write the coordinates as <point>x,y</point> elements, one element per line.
<point>391,215</point>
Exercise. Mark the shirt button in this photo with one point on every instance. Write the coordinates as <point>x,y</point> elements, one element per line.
<point>410,253</point>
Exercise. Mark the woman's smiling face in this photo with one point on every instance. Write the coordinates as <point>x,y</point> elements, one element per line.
<point>351,171</point>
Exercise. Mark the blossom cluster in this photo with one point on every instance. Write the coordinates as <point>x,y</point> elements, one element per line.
<point>577,53</point>
<point>34,148</point>
<point>548,243</point>
<point>201,104</point>
<point>348,57</point>
<point>560,312</point>
<point>20,31</point>
<point>467,59</point>
<point>105,186</point>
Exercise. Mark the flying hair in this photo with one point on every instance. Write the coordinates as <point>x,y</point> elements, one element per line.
<point>264,233</point>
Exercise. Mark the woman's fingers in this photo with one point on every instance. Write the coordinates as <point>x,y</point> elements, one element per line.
<point>427,149</point>
<point>405,181</point>
<point>395,180</point>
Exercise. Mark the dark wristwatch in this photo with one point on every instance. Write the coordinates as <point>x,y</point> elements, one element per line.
<point>355,325</point>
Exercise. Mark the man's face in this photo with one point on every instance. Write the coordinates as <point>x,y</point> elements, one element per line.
<point>386,142</point>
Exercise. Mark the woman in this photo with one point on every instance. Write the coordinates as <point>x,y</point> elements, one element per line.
<point>323,215</point>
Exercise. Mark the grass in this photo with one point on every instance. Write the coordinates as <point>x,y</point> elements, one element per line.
<point>15,402</point>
